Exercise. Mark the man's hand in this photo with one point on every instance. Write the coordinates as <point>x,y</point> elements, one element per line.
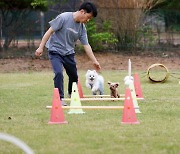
<point>39,52</point>
<point>90,54</point>
<point>97,66</point>
<point>45,38</point>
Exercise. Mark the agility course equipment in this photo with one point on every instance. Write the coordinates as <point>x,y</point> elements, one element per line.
<point>129,67</point>
<point>130,107</point>
<point>161,69</point>
<point>134,98</point>
<point>80,89</point>
<point>137,86</point>
<point>129,115</point>
<point>100,96</point>
<point>129,80</point>
<point>90,107</point>
<point>93,107</point>
<point>99,99</point>
<point>57,115</point>
<point>75,101</point>
<point>81,95</point>
<point>76,104</point>
<point>138,92</point>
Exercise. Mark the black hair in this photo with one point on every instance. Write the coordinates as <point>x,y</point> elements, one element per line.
<point>89,8</point>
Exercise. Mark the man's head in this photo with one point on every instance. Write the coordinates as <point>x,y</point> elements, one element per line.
<point>88,10</point>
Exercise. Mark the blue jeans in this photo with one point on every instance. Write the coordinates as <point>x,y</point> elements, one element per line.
<point>69,64</point>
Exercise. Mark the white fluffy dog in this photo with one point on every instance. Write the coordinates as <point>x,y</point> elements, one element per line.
<point>95,82</point>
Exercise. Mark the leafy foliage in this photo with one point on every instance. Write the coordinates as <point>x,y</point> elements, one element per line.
<point>37,4</point>
<point>162,4</point>
<point>169,9</point>
<point>145,38</point>
<point>14,14</point>
<point>101,39</point>
<point>23,4</point>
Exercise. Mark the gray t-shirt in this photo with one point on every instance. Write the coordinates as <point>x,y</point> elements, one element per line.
<point>67,32</point>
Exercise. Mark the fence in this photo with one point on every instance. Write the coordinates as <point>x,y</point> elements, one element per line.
<point>133,29</point>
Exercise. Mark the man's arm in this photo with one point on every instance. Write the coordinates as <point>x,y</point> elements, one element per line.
<point>90,54</point>
<point>45,38</point>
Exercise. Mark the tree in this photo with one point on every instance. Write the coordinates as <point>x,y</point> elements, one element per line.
<point>13,15</point>
<point>162,4</point>
<point>170,9</point>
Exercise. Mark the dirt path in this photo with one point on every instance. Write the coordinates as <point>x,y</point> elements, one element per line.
<point>108,61</point>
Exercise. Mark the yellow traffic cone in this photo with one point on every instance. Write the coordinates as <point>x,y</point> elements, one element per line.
<point>75,100</point>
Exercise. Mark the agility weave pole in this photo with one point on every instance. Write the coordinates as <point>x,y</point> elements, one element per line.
<point>99,99</point>
<point>129,67</point>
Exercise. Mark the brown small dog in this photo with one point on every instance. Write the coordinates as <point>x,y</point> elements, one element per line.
<point>114,89</point>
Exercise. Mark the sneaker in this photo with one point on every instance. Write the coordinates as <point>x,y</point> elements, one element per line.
<point>63,103</point>
<point>68,95</point>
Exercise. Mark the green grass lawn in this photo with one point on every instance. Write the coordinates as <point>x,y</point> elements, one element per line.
<point>24,96</point>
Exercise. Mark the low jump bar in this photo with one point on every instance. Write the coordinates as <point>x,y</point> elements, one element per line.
<point>101,96</point>
<point>99,99</point>
<point>92,107</point>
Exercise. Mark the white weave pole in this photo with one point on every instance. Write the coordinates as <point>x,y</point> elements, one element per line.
<point>17,142</point>
<point>128,79</point>
<point>129,68</point>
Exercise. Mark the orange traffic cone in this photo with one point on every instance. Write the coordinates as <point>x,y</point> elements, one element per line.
<point>80,89</point>
<point>137,86</point>
<point>129,115</point>
<point>57,115</point>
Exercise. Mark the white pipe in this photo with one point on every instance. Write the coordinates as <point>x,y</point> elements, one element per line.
<point>17,142</point>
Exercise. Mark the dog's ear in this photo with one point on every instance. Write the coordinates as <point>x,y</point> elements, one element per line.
<point>117,84</point>
<point>109,82</point>
<point>94,71</point>
<point>87,73</point>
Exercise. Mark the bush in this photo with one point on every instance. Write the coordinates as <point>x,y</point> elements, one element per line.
<point>100,39</point>
<point>146,38</point>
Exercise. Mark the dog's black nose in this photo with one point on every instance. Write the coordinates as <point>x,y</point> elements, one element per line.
<point>91,79</point>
